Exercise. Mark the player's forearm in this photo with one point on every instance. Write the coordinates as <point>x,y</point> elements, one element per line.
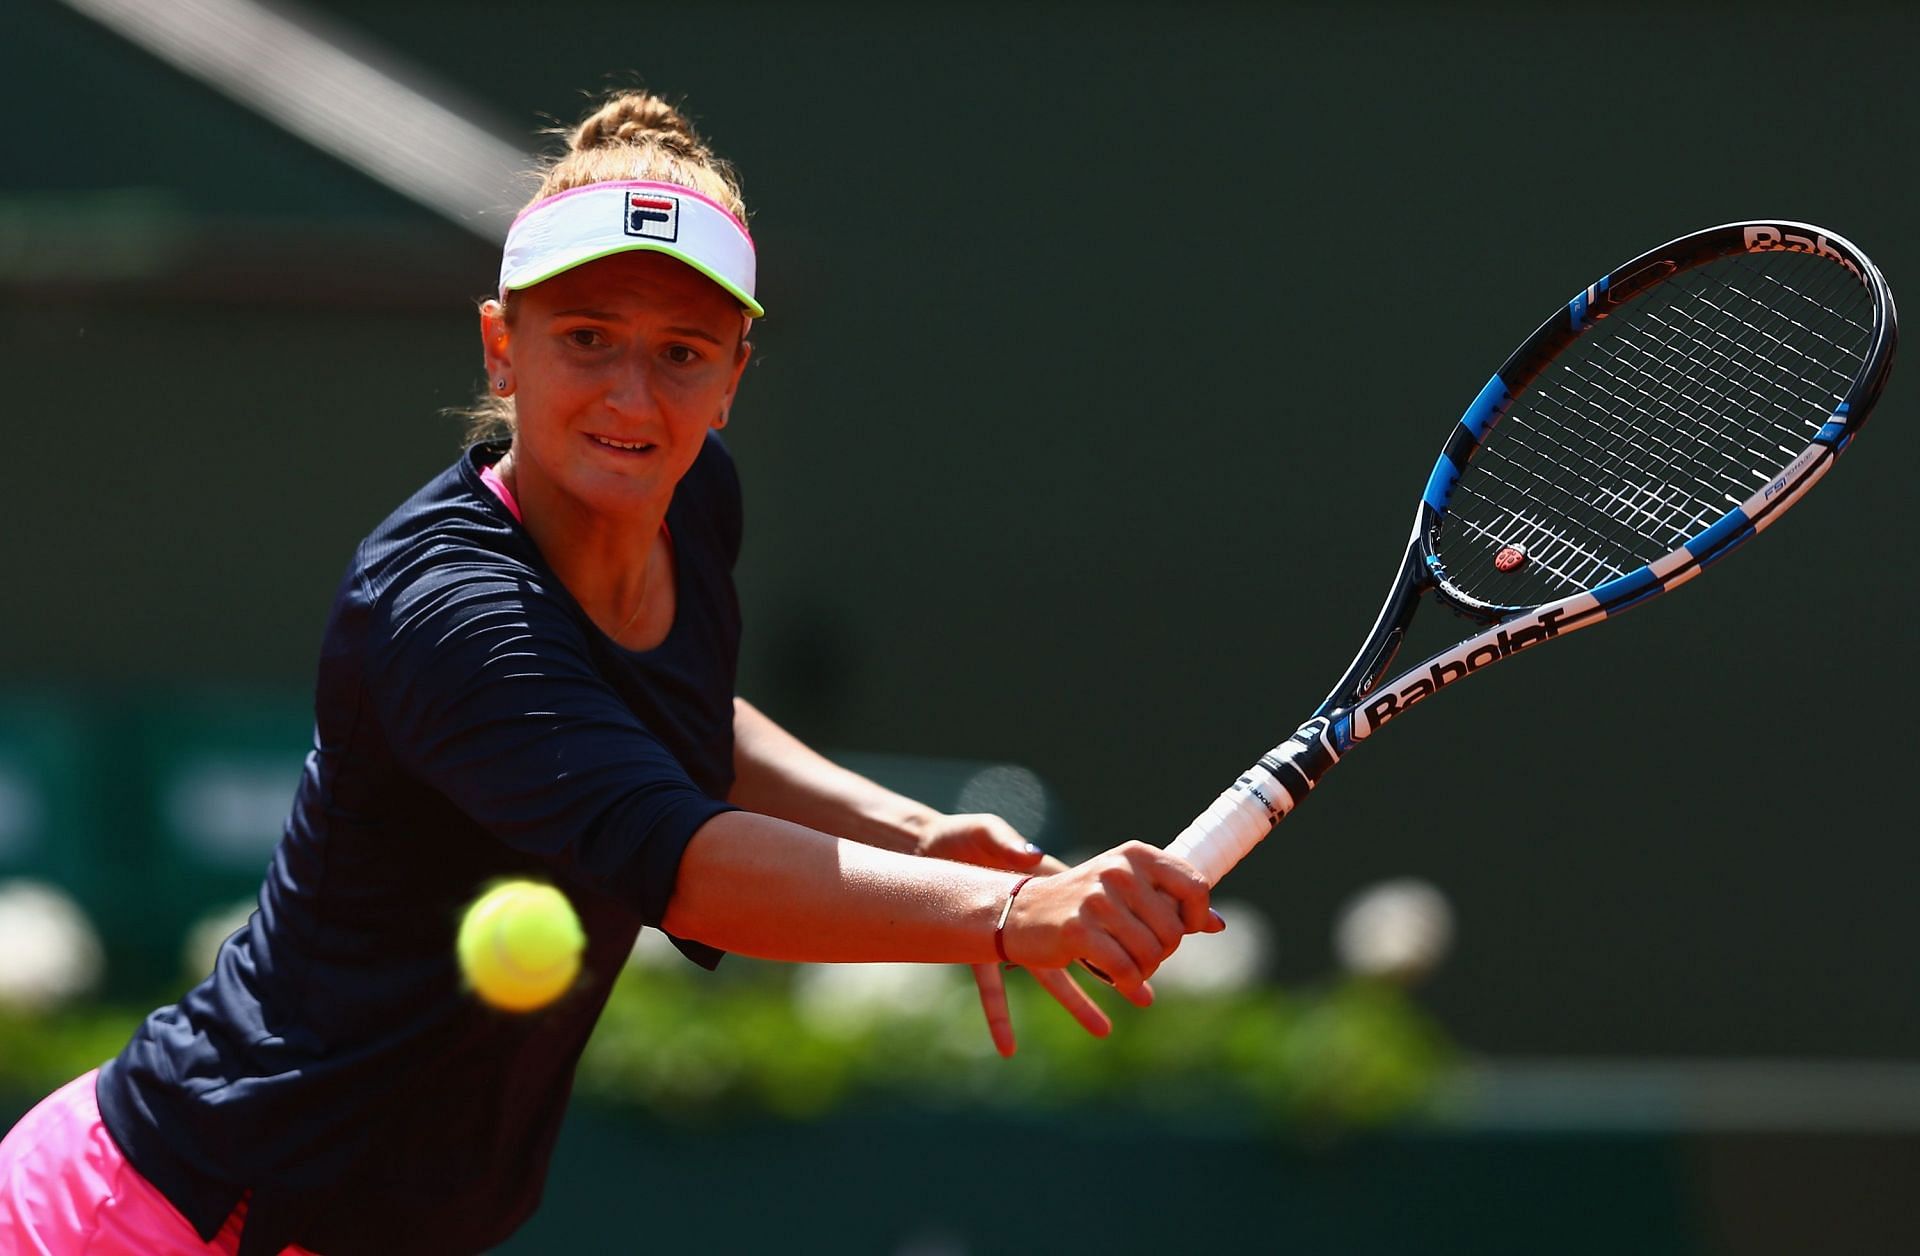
<point>776,774</point>
<point>755,885</point>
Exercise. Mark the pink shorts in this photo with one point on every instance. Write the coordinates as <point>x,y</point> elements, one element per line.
<point>65,1190</point>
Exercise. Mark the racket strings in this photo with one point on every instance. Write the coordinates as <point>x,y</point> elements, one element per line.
<point>1652,368</point>
<point>1587,461</point>
<point>1721,388</point>
<point>1791,294</point>
<point>1634,381</point>
<point>1642,481</point>
<point>1836,376</point>
<point>1655,423</point>
<point>1635,409</point>
<point>1765,430</point>
<point>1783,362</point>
<point>1581,456</point>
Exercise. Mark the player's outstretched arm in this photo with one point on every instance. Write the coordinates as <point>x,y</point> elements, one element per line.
<point>777,774</point>
<point>760,886</point>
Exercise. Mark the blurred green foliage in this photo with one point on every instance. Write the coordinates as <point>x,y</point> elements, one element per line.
<point>753,1040</point>
<point>689,1047</point>
<point>42,1051</point>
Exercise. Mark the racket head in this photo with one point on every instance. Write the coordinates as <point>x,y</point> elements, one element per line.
<point>1673,409</point>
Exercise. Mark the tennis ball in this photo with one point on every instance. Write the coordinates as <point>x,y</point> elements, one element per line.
<point>520,945</point>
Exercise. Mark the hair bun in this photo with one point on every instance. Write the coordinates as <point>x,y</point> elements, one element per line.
<point>636,135</point>
<point>633,118</point>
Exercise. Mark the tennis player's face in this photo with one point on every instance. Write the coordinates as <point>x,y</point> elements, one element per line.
<point>618,370</point>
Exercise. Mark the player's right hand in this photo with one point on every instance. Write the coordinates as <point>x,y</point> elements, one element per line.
<point>1122,913</point>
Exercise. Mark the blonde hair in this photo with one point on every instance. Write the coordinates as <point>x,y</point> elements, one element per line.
<point>629,135</point>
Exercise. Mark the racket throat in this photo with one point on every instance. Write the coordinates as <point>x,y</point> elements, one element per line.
<point>1389,629</point>
<point>1298,763</point>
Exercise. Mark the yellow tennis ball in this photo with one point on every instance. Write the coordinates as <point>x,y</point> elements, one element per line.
<point>520,945</point>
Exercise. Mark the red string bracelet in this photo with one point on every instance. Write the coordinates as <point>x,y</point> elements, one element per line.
<point>1000,929</point>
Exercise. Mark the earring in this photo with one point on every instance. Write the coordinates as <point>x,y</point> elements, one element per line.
<point>500,385</point>
<point>726,412</point>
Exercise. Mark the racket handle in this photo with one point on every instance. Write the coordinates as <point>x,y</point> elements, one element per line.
<point>1221,836</point>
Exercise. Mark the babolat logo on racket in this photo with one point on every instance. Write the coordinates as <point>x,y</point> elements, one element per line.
<point>1443,672</point>
<point>1780,240</point>
<point>1247,785</point>
<point>653,215</point>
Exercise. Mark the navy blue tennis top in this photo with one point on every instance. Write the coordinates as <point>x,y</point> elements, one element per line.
<point>471,723</point>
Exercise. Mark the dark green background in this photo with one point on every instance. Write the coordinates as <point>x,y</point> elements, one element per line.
<point>1108,350</point>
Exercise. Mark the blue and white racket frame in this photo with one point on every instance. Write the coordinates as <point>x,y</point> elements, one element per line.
<point>1360,706</point>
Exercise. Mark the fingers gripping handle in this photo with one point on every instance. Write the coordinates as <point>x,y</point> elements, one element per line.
<point>1221,836</point>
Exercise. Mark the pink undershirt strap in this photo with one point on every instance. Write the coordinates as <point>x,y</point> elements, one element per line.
<point>491,478</point>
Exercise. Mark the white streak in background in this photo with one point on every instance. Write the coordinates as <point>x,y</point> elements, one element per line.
<point>52,954</point>
<point>1220,963</point>
<point>328,90</point>
<point>1397,930</point>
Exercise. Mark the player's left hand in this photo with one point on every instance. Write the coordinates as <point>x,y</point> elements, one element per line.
<point>986,840</point>
<point>992,842</point>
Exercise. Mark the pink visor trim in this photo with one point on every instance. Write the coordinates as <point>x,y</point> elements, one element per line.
<point>584,224</point>
<point>654,184</point>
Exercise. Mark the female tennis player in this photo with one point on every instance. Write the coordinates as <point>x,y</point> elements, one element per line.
<point>529,671</point>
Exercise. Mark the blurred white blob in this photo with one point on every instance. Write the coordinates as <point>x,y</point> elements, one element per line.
<point>846,999</point>
<point>1218,963</point>
<point>205,935</point>
<point>1012,793</point>
<point>1397,930</point>
<point>49,952</point>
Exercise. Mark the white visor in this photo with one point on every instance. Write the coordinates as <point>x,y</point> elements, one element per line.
<point>572,228</point>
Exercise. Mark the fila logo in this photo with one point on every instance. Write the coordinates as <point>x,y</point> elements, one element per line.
<point>653,215</point>
<point>1443,672</point>
<point>1780,240</point>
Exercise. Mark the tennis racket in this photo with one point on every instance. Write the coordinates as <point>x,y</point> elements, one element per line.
<point>1672,411</point>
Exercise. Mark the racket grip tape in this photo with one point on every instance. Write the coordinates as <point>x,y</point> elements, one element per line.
<point>1239,818</point>
<point>1221,836</point>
